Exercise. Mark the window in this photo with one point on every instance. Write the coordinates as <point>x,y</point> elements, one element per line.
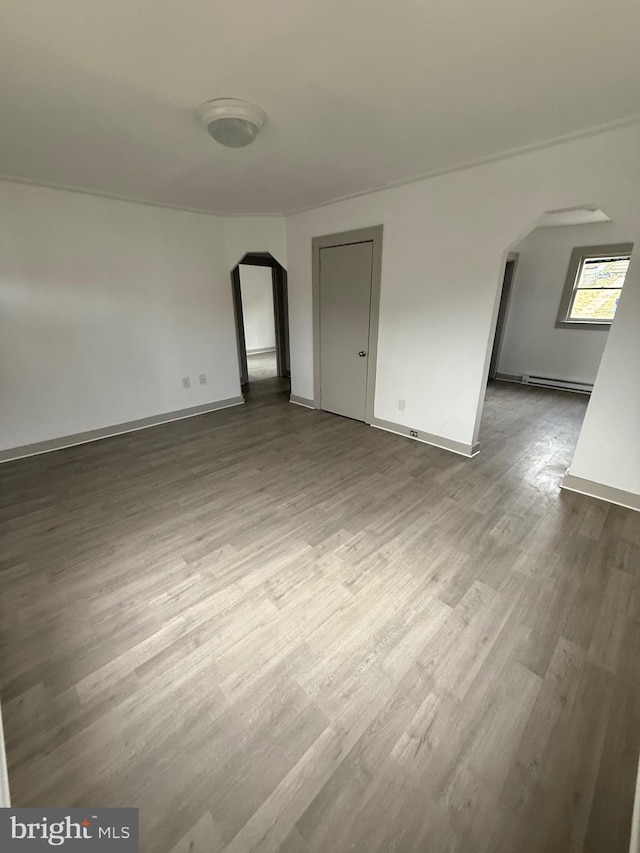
<point>594,284</point>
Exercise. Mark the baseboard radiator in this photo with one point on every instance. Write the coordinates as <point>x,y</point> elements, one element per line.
<point>551,382</point>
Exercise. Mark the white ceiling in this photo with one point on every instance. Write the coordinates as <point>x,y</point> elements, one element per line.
<point>100,94</point>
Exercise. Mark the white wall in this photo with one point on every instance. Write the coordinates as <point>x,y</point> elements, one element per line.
<point>256,288</point>
<point>443,255</point>
<point>608,449</point>
<point>105,306</point>
<point>244,234</point>
<point>532,343</point>
<point>5,799</point>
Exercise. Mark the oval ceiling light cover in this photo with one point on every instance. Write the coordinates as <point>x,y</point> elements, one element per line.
<point>232,122</point>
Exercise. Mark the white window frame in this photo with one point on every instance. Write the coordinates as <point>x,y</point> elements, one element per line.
<point>578,257</point>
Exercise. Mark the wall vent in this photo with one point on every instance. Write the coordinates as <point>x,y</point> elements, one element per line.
<point>552,382</point>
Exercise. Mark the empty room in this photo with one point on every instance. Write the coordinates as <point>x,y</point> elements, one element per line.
<point>319,427</point>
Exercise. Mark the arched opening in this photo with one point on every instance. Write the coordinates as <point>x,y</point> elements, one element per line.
<point>557,299</point>
<point>260,300</point>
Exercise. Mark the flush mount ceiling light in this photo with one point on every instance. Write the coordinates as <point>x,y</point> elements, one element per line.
<point>232,122</point>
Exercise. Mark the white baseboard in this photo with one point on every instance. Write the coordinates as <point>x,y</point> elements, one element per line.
<point>116,429</point>
<point>439,441</point>
<point>601,492</point>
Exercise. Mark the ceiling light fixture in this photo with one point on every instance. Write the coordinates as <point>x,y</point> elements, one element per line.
<point>232,122</point>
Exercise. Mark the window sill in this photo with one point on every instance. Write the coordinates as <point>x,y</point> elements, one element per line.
<point>577,324</point>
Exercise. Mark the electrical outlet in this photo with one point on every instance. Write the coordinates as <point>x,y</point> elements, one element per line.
<point>413,433</point>
<point>203,378</point>
<point>186,382</point>
<point>402,404</point>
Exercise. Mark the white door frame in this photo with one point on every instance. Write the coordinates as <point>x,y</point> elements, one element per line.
<point>345,238</point>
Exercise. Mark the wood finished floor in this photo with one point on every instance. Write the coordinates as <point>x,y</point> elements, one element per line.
<point>262,366</point>
<point>273,629</point>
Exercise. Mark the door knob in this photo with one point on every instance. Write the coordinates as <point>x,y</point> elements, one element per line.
<point>362,353</point>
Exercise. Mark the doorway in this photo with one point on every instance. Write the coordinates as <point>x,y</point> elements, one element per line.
<point>346,300</point>
<point>505,298</point>
<point>260,301</point>
<point>559,292</point>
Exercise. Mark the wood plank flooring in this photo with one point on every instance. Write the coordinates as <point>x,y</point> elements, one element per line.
<point>262,365</point>
<point>274,629</point>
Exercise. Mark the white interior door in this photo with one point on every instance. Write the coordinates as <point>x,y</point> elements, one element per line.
<point>345,311</point>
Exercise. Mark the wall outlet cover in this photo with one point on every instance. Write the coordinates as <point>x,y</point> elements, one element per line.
<point>402,404</point>
<point>203,378</point>
<point>186,382</point>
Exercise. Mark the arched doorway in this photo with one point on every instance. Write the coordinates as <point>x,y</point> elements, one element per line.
<point>556,302</point>
<point>279,299</point>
